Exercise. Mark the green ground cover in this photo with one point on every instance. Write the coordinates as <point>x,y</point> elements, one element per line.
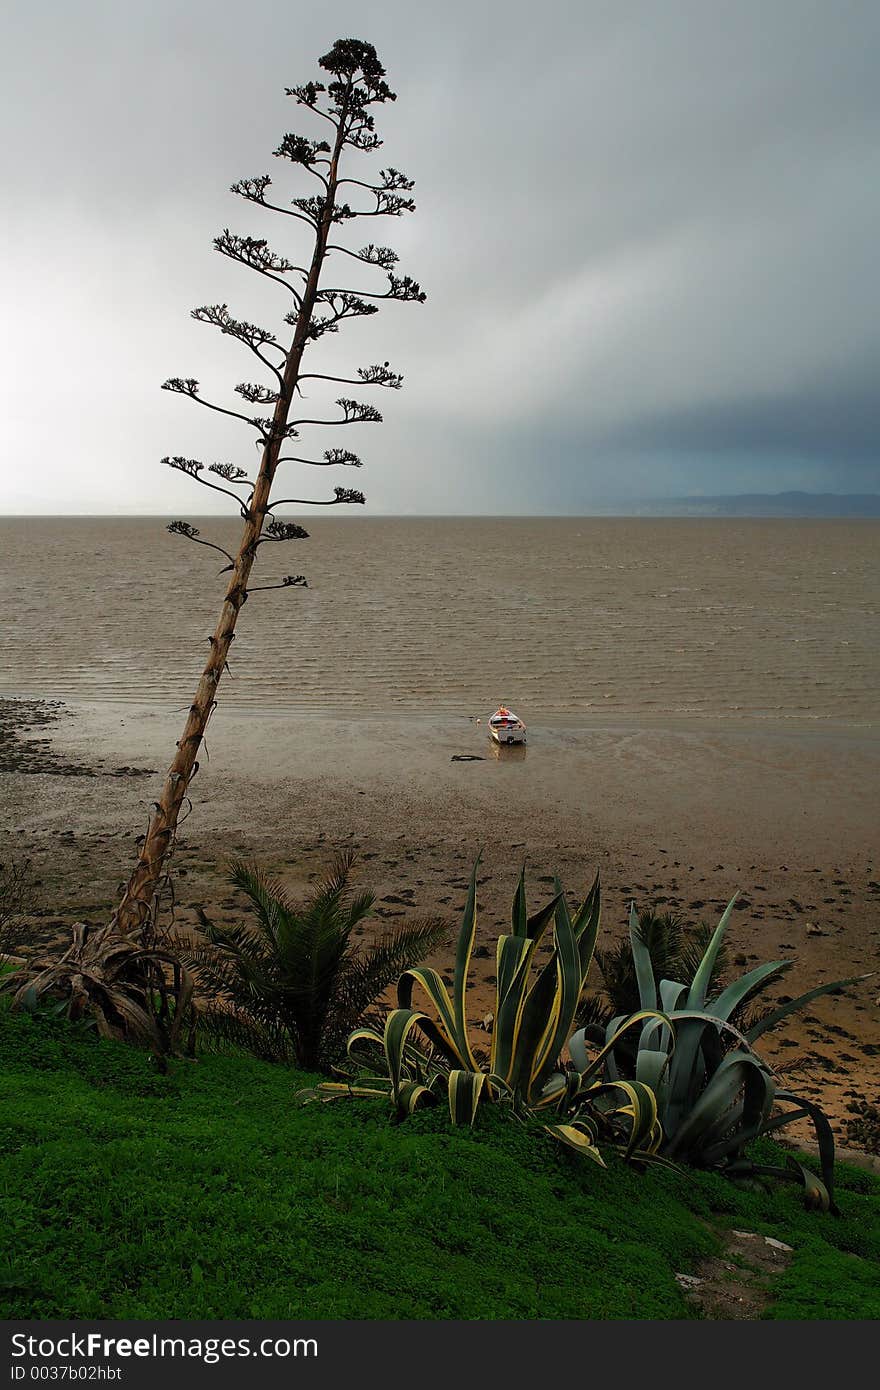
<point>208,1193</point>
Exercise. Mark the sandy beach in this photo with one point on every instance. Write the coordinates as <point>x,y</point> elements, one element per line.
<point>668,815</point>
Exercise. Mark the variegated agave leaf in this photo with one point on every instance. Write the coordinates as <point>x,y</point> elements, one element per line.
<point>533,1017</point>
<point>449,1032</point>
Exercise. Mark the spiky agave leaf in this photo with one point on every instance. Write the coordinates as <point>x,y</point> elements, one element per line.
<point>386,1064</point>
<point>732,999</point>
<point>633,1106</point>
<point>534,1018</point>
<point>715,1094</point>
<point>464,1091</point>
<point>623,1113</point>
<point>730,1110</point>
<point>691,951</point>
<point>573,967</point>
<point>587,1066</point>
<point>519,1029</point>
<point>663,933</point>
<point>673,953</point>
<point>703,976</point>
<point>581,1135</point>
<point>769,1020</point>
<point>816,1194</point>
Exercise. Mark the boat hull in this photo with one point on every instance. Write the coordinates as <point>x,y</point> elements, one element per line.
<point>508,735</point>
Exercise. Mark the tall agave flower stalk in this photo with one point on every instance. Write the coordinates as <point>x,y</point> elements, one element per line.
<point>356,83</point>
<point>118,971</point>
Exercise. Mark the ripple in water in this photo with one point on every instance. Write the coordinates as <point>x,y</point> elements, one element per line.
<point>727,619</point>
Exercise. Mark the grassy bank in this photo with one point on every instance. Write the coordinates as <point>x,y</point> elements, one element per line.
<point>209,1193</point>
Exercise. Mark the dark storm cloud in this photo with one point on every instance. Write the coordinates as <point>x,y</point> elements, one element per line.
<point>648,231</point>
<point>824,418</point>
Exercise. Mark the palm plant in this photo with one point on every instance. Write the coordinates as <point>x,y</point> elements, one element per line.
<point>715,1095</point>
<point>534,1014</point>
<point>291,983</point>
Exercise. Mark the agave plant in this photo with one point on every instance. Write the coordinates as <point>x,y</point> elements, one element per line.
<point>291,984</point>
<point>675,952</point>
<point>715,1095</point>
<point>133,990</point>
<point>535,1007</point>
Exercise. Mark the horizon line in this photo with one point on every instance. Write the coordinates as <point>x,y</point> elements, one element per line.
<point>611,514</point>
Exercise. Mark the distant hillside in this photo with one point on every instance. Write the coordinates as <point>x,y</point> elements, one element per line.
<point>806,504</point>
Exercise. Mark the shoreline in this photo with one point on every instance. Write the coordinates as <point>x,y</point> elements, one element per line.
<point>547,724</point>
<point>680,818</point>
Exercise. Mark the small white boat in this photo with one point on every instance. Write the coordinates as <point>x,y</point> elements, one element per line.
<point>505,727</point>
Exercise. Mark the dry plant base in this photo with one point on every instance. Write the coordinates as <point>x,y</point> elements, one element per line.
<point>135,992</point>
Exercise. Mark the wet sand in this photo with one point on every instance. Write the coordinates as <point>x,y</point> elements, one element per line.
<point>669,815</point>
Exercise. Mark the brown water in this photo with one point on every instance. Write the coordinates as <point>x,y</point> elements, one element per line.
<point>580,618</point>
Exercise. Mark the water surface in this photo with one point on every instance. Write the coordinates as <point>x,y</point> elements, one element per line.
<point>730,619</point>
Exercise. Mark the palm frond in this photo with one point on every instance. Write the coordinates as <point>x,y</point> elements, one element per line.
<point>691,952</point>
<point>593,1015</point>
<point>359,909</point>
<point>619,978</point>
<point>237,1028</point>
<point>241,938</point>
<point>293,970</point>
<point>663,933</point>
<point>372,969</point>
<point>332,888</point>
<point>268,896</point>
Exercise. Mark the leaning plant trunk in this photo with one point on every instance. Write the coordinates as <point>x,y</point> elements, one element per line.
<point>134,912</point>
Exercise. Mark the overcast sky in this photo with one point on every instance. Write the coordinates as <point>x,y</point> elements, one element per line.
<point>648,230</point>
